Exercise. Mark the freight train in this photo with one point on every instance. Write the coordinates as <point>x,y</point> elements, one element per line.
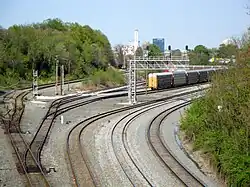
<point>180,78</point>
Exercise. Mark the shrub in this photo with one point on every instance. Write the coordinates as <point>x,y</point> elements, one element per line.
<point>224,135</point>
<point>108,78</point>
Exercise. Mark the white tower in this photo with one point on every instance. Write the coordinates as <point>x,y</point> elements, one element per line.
<point>136,40</point>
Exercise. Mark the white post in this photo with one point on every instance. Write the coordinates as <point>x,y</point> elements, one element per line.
<point>61,119</point>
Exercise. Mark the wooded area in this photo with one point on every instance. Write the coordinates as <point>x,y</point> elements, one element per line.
<point>81,49</point>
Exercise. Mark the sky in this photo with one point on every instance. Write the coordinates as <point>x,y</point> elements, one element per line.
<point>179,22</point>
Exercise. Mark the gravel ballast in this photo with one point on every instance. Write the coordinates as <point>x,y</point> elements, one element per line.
<point>141,152</point>
<point>167,131</point>
<point>53,154</point>
<point>9,175</point>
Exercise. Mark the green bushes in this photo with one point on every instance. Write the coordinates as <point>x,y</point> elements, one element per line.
<point>108,78</point>
<point>9,80</point>
<point>223,134</point>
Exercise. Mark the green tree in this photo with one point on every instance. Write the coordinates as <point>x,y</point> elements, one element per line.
<point>227,51</point>
<point>154,50</point>
<point>80,48</point>
<point>199,56</point>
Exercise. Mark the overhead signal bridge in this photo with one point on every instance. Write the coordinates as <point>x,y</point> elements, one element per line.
<point>157,63</point>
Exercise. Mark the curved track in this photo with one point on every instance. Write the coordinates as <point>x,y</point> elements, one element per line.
<point>169,161</point>
<point>77,154</point>
<point>164,153</point>
<point>32,159</point>
<point>43,131</point>
<point>19,144</point>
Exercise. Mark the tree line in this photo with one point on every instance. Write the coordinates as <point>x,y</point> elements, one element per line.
<point>39,46</point>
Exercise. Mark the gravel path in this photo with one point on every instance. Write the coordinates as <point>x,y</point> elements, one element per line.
<point>51,91</point>
<point>32,117</point>
<point>167,131</point>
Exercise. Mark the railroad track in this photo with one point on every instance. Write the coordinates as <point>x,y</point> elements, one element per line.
<point>18,142</point>
<point>161,150</point>
<point>126,160</point>
<point>168,159</point>
<point>33,151</point>
<point>43,131</point>
<point>78,160</point>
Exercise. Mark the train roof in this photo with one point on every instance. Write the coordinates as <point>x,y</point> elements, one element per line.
<point>192,71</point>
<point>163,73</point>
<point>179,71</point>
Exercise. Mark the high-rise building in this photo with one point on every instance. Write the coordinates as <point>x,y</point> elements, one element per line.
<point>160,42</point>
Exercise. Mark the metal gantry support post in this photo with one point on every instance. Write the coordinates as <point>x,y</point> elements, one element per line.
<point>132,82</point>
<point>35,83</point>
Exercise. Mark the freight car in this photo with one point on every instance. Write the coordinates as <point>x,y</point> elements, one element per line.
<point>160,80</point>
<point>179,78</point>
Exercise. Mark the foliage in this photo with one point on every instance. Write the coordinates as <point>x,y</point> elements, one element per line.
<point>110,77</point>
<point>227,51</point>
<point>79,48</point>
<point>224,135</point>
<point>154,50</point>
<point>200,55</point>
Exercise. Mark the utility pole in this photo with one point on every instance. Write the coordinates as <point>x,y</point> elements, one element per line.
<point>146,72</point>
<point>69,74</point>
<point>35,84</point>
<point>56,86</point>
<point>124,58</point>
<point>62,79</point>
